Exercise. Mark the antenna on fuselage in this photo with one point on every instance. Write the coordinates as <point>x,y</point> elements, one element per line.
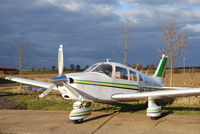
<point>107,60</point>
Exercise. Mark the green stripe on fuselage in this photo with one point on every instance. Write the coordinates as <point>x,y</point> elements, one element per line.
<point>107,84</point>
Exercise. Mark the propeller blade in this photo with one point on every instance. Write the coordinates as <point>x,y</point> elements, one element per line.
<point>47,91</point>
<point>60,60</point>
<point>72,90</point>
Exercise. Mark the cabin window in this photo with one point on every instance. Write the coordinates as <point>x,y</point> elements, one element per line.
<point>104,68</point>
<point>121,73</point>
<point>141,78</point>
<point>133,75</point>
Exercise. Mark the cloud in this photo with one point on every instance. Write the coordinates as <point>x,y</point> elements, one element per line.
<point>194,28</point>
<point>73,6</point>
<point>70,5</point>
<point>90,29</point>
<point>88,6</point>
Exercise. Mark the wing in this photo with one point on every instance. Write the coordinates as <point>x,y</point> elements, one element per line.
<point>169,92</point>
<point>31,82</point>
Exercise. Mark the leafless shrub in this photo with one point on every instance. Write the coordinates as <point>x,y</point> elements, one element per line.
<point>174,45</point>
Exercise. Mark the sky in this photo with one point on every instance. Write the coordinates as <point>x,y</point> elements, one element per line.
<point>92,30</point>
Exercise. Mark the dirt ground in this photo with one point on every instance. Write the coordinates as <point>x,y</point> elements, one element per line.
<point>51,122</point>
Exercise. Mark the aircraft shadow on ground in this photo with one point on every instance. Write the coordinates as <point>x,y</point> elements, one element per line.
<point>4,81</point>
<point>140,107</point>
<point>182,108</point>
<point>124,107</point>
<point>117,107</point>
<point>98,117</point>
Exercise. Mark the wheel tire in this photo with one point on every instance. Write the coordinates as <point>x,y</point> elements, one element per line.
<point>154,118</point>
<point>77,121</point>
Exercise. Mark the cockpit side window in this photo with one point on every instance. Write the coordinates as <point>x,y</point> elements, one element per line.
<point>133,75</point>
<point>121,73</point>
<point>141,78</point>
<point>104,68</point>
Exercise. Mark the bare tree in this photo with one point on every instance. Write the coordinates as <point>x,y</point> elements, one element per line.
<point>53,68</point>
<point>21,46</point>
<point>127,27</point>
<point>78,67</point>
<point>124,36</point>
<point>72,66</point>
<point>174,45</point>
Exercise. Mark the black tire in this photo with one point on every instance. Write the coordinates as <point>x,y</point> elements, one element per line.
<point>154,118</point>
<point>77,121</point>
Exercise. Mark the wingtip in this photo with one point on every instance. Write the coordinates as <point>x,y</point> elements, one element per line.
<point>8,78</point>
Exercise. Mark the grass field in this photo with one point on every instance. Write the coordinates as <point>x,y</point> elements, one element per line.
<point>30,101</point>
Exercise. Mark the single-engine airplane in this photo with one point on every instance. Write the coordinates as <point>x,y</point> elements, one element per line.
<point>109,82</point>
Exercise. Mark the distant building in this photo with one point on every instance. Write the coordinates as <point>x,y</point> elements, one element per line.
<point>7,70</point>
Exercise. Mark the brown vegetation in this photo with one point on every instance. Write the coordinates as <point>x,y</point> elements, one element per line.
<point>189,79</point>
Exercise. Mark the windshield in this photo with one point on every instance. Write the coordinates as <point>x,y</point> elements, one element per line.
<point>104,68</point>
<point>90,68</point>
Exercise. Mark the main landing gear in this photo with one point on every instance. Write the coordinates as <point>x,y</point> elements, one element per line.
<point>81,109</point>
<point>153,110</point>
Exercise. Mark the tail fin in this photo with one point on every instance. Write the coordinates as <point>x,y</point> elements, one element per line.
<point>161,67</point>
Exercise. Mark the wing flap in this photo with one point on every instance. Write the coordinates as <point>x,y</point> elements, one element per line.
<point>167,88</point>
<point>158,94</point>
<point>31,82</point>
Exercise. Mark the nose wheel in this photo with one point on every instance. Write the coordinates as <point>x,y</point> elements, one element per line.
<point>77,121</point>
<point>81,109</point>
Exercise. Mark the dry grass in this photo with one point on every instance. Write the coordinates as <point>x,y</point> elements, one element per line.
<point>187,101</point>
<point>184,79</point>
<point>187,79</point>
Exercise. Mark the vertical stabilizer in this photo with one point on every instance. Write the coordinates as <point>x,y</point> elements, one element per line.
<point>161,67</point>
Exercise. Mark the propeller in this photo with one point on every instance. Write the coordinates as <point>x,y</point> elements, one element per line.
<point>60,60</point>
<point>57,81</point>
<point>47,91</point>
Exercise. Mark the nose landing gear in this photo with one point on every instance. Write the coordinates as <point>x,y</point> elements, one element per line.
<point>81,109</point>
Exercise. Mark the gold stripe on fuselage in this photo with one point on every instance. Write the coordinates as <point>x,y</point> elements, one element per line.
<point>117,85</point>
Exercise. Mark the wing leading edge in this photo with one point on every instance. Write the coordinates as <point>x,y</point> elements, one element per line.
<point>173,92</point>
<point>31,82</point>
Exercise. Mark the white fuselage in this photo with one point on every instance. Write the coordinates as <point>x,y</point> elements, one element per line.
<point>102,80</point>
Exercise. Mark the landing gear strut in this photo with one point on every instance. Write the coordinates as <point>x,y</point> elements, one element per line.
<point>153,110</point>
<point>81,109</point>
